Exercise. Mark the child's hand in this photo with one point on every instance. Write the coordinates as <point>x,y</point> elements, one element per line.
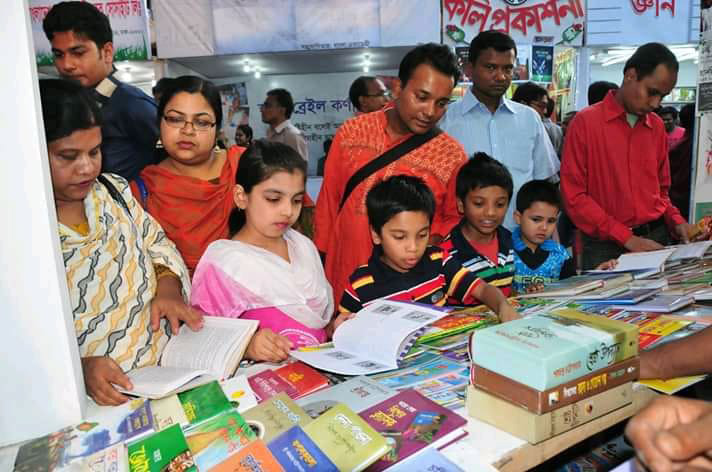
<point>336,322</point>
<point>266,345</point>
<point>506,312</point>
<point>608,265</point>
<point>536,287</point>
<point>100,372</point>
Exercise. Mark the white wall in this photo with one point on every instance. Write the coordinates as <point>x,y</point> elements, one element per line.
<point>687,77</point>
<point>42,388</point>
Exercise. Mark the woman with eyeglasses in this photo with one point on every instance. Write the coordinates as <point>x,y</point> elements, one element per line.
<point>189,191</point>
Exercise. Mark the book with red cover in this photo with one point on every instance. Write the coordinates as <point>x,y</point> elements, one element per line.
<point>267,384</point>
<point>411,422</point>
<point>303,378</point>
<point>540,402</point>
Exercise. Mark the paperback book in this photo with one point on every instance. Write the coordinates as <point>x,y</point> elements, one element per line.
<point>238,392</point>
<point>357,393</point>
<point>166,450</point>
<point>302,378</point>
<point>272,417</point>
<point>267,384</point>
<point>254,457</point>
<point>212,441</point>
<point>296,451</point>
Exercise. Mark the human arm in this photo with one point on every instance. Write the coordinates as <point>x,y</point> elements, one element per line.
<point>446,213</point>
<point>673,433</point>
<point>266,345</point>
<point>169,303</point>
<point>680,358</point>
<point>100,372</point>
<point>496,301</point>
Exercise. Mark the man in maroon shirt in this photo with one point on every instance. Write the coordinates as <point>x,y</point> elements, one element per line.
<point>615,173</point>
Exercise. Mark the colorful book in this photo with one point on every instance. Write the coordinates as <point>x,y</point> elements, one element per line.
<point>166,450</point>
<point>302,378</point>
<point>430,460</point>
<point>168,411</point>
<point>271,418</point>
<point>346,439</point>
<point>410,422</point>
<point>357,393</point>
<point>267,384</point>
<point>457,322</point>
<point>113,459</point>
<point>297,452</point>
<point>416,374</point>
<point>672,386</point>
<point>535,428</point>
<point>540,402</point>
<point>254,457</point>
<point>204,402</point>
<point>238,391</point>
<point>566,287</point>
<point>212,441</point>
<point>549,349</point>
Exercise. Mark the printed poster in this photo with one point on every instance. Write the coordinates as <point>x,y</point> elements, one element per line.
<point>703,180</point>
<point>542,63</point>
<point>235,110</point>
<point>128,22</point>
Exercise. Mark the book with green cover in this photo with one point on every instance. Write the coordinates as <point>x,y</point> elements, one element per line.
<point>551,348</point>
<point>165,450</point>
<point>346,439</point>
<point>204,402</point>
<point>213,440</point>
<point>272,417</point>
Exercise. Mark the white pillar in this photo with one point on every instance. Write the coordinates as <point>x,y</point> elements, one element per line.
<point>583,78</point>
<point>42,389</point>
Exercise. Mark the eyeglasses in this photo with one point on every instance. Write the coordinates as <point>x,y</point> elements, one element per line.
<point>385,93</point>
<point>180,122</point>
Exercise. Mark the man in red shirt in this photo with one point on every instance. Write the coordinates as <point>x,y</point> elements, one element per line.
<point>615,173</point>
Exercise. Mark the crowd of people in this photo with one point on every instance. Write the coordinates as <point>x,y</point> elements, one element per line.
<point>422,200</point>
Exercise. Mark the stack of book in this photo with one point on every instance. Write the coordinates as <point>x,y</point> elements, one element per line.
<point>546,374</point>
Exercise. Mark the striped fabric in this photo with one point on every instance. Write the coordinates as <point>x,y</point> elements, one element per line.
<point>437,278</point>
<point>111,278</point>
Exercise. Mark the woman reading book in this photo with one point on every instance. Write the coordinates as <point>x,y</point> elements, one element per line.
<point>267,271</point>
<point>126,280</point>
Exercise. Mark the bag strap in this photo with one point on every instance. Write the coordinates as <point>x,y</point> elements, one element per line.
<point>142,190</point>
<point>386,158</point>
<point>114,192</point>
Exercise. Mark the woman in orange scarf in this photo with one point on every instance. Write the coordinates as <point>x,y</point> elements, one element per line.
<point>189,191</point>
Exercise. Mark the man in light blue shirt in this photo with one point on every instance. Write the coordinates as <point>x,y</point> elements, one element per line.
<point>485,121</point>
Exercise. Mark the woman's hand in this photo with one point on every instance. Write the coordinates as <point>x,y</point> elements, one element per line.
<point>100,372</point>
<point>168,303</point>
<point>266,345</point>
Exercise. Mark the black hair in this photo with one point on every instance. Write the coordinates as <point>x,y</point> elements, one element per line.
<point>247,130</point>
<point>193,84</point>
<point>285,100</point>
<point>82,18</point>
<point>359,88</point>
<point>597,91</point>
<point>648,57</point>
<point>667,110</point>
<point>258,163</point>
<point>538,191</point>
<point>482,171</point>
<point>161,86</point>
<point>395,195</point>
<point>500,42</point>
<point>687,117</point>
<point>437,55</point>
<point>529,92</point>
<point>66,108</point>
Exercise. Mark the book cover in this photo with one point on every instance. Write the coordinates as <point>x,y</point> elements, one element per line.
<point>267,384</point>
<point>168,411</point>
<point>357,393</point>
<point>548,349</point>
<point>302,378</point>
<point>166,450</point>
<point>661,303</point>
<point>418,373</point>
<point>629,297</point>
<point>535,428</point>
<point>297,452</point>
<point>540,402</point>
<point>113,459</point>
<point>455,323</point>
<point>213,440</point>
<point>569,286</point>
<point>204,402</point>
<point>254,457</point>
<point>672,386</point>
<point>430,460</point>
<point>271,418</point>
<point>411,422</point>
<point>346,439</point>
<point>238,391</point>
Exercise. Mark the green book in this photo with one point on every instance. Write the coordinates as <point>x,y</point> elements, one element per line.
<point>165,450</point>
<point>204,402</point>
<point>346,438</point>
<point>272,417</point>
<point>213,440</point>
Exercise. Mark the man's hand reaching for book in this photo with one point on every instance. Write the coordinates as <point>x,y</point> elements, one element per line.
<point>100,372</point>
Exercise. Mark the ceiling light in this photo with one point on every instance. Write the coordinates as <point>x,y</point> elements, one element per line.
<point>258,73</point>
<point>246,67</point>
<point>366,68</point>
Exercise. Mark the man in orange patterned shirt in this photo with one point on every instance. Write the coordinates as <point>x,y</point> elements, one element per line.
<point>428,74</point>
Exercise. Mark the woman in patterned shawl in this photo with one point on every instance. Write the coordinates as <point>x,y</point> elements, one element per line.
<point>126,280</point>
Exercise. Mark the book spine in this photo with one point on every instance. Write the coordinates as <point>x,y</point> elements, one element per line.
<point>537,428</point>
<point>537,401</point>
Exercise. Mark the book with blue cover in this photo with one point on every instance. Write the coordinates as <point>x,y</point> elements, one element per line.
<point>294,450</point>
<point>548,349</point>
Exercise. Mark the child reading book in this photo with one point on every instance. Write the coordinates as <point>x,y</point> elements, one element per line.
<point>123,274</point>
<point>539,260</point>
<point>403,266</point>
<point>484,188</point>
<point>267,271</point>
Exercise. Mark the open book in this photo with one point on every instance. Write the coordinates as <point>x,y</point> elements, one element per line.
<point>193,358</point>
<point>642,264</point>
<point>375,340</point>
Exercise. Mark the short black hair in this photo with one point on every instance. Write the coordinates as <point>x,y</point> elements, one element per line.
<point>482,171</point>
<point>285,100</point>
<point>538,191</point>
<point>439,56</point>
<point>500,42</point>
<point>597,91</point>
<point>648,57</point>
<point>66,108</point>
<point>667,110</point>
<point>192,84</point>
<point>359,88</point>
<point>529,92</point>
<point>395,195</point>
<point>82,18</point>
<point>687,116</point>
<point>161,86</point>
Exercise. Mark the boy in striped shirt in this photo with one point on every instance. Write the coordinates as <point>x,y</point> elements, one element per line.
<point>402,265</point>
